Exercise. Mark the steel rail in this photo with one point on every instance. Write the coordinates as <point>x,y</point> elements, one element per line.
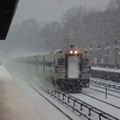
<point>67,99</point>
<point>116,87</point>
<point>103,92</point>
<point>52,103</point>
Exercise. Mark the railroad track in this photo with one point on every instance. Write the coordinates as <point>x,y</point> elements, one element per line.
<point>112,87</point>
<point>101,101</point>
<point>104,91</point>
<point>89,112</point>
<point>52,103</point>
<point>80,107</point>
<point>40,93</point>
<point>103,87</point>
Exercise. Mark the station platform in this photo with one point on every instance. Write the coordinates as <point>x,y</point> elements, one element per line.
<point>14,105</point>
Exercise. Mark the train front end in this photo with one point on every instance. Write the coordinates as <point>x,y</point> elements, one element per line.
<point>72,70</point>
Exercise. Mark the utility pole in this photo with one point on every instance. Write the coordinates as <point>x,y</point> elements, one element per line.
<point>116,51</point>
<point>107,54</point>
<point>98,54</point>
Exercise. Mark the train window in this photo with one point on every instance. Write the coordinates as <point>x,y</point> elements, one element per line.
<point>85,61</point>
<point>86,70</point>
<point>61,61</point>
<point>49,63</point>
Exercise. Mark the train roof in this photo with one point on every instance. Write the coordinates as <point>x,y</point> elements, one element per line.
<point>7,11</point>
<point>54,52</point>
<point>106,69</point>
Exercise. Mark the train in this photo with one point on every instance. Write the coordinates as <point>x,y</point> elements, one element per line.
<point>106,73</point>
<point>67,69</point>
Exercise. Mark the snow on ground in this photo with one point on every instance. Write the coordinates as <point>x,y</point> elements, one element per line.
<point>42,106</point>
<point>100,105</point>
<point>13,103</point>
<point>4,74</point>
<point>51,113</point>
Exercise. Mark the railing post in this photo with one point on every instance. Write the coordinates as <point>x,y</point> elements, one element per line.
<point>58,94</point>
<point>68,100</point>
<point>81,106</point>
<point>105,91</point>
<point>63,96</point>
<point>89,112</point>
<point>73,103</point>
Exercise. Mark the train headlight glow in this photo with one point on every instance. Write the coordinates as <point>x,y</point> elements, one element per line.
<point>76,52</point>
<point>71,52</point>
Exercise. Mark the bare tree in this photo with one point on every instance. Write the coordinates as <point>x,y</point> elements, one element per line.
<point>73,25</point>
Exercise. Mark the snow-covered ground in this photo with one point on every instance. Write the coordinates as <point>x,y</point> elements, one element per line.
<point>50,112</point>
<point>43,107</point>
<point>98,104</point>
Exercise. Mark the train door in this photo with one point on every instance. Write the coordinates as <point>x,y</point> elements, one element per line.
<point>73,67</point>
<point>73,72</point>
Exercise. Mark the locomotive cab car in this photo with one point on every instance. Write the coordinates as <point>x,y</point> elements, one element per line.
<point>72,69</point>
<point>69,69</point>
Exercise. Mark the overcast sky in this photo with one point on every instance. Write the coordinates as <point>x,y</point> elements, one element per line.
<point>51,10</point>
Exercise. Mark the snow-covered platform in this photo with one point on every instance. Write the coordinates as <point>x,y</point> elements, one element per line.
<point>14,105</point>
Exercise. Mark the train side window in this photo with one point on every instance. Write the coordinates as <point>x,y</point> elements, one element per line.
<point>49,63</point>
<point>85,61</point>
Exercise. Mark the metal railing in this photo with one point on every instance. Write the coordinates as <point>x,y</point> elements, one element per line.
<point>103,84</point>
<point>78,105</point>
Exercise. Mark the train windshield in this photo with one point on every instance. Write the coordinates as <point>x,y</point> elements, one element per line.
<point>73,67</point>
